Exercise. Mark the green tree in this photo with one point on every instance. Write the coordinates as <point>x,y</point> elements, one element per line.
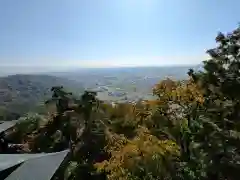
<point>220,86</point>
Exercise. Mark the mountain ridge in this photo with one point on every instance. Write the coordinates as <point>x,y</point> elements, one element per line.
<point>22,93</point>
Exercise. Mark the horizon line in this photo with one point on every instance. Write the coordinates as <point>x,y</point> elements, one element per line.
<point>96,67</point>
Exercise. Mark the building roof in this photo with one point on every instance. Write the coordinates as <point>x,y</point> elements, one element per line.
<point>7,125</point>
<point>10,160</point>
<point>32,166</point>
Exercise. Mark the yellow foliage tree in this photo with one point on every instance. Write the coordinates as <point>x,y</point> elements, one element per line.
<point>143,157</point>
<point>161,127</point>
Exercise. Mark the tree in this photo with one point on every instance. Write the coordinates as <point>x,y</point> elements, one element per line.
<point>220,85</point>
<point>143,157</point>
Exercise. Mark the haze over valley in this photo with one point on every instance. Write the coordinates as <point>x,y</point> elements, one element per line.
<point>126,84</point>
<point>22,93</point>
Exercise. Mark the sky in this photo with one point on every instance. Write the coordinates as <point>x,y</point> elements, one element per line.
<point>111,33</point>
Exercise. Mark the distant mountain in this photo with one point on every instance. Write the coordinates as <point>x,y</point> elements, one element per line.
<point>179,72</point>
<point>135,82</point>
<point>22,93</point>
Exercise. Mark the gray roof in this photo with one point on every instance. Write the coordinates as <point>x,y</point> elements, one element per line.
<point>7,125</point>
<point>10,160</point>
<point>34,166</point>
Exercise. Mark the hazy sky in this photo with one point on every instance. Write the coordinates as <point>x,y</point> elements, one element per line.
<point>111,32</point>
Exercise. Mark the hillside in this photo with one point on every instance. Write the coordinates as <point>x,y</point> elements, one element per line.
<point>22,93</point>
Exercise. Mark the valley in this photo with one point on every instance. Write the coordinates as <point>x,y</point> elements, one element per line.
<point>23,93</point>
